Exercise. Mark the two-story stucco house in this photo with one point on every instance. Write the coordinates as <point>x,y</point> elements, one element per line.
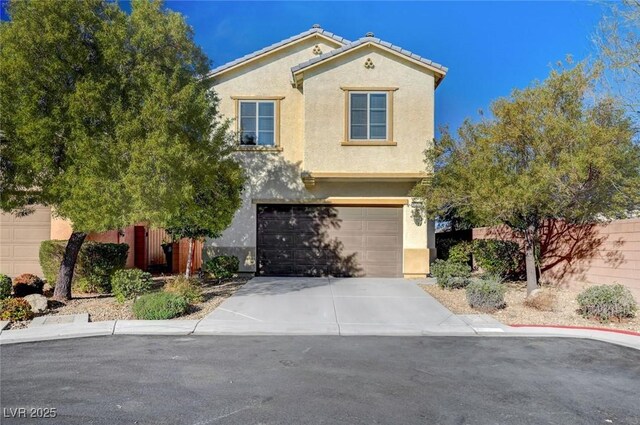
<point>331,134</point>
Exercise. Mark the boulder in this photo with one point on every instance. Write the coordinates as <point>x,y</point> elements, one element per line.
<point>543,300</point>
<point>37,302</point>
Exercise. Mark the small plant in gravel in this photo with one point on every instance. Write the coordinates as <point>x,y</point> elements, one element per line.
<point>606,302</point>
<point>15,310</point>
<point>159,306</point>
<point>5,286</point>
<point>222,266</point>
<point>129,283</point>
<point>486,294</point>
<point>27,284</point>
<point>188,288</point>
<point>451,274</point>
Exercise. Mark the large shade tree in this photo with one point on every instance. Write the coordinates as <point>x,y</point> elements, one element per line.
<point>105,118</point>
<point>550,151</point>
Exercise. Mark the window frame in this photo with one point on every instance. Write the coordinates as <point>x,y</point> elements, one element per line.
<point>388,140</point>
<point>275,100</point>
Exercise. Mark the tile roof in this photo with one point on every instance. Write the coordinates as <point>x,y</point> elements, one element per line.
<point>362,41</point>
<point>314,30</point>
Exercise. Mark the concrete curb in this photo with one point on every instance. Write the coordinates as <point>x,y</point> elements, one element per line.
<point>203,327</point>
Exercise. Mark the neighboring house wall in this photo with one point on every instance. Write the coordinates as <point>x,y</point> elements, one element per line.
<point>20,239</point>
<point>590,254</point>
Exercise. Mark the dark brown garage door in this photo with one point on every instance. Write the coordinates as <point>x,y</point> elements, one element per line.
<point>312,240</point>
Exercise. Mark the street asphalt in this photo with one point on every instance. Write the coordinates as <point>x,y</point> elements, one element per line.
<point>319,380</point>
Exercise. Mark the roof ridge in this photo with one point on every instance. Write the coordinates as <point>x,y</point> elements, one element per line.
<point>252,55</point>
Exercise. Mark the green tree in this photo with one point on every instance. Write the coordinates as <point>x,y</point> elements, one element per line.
<point>211,209</point>
<point>549,151</point>
<point>618,41</point>
<point>104,117</point>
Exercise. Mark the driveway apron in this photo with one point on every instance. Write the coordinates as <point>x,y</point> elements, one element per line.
<point>330,306</point>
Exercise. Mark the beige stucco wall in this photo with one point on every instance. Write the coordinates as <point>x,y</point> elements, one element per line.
<point>312,129</point>
<point>324,109</point>
<point>61,228</point>
<point>271,76</point>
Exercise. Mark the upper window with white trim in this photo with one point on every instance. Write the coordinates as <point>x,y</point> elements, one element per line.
<point>257,122</point>
<point>368,115</point>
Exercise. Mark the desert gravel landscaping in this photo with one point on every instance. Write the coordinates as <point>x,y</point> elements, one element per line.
<point>105,307</point>
<point>516,313</point>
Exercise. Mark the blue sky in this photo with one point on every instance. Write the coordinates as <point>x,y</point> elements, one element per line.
<point>489,47</point>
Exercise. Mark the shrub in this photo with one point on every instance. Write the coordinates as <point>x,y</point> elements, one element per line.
<point>222,266</point>
<point>27,284</point>
<point>451,274</point>
<point>541,300</point>
<point>501,258</point>
<point>606,302</point>
<point>50,255</point>
<point>486,294</point>
<point>15,309</point>
<point>159,306</point>
<point>129,283</point>
<point>189,289</point>
<point>461,252</point>
<point>96,263</point>
<point>5,286</point>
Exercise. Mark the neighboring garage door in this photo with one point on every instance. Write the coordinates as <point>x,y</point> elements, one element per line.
<point>307,240</point>
<point>20,240</point>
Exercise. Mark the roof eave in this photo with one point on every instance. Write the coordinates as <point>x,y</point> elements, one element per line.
<point>251,57</point>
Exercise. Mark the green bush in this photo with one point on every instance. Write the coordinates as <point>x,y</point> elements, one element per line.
<point>96,263</point>
<point>500,258</point>
<point>222,266</point>
<point>461,252</point>
<point>188,288</point>
<point>15,309</point>
<point>27,284</point>
<point>486,294</point>
<point>51,253</point>
<point>5,286</point>
<point>606,302</point>
<point>159,306</point>
<point>129,283</point>
<point>451,274</point>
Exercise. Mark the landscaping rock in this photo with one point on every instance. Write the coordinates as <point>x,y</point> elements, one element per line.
<point>37,302</point>
<point>540,300</point>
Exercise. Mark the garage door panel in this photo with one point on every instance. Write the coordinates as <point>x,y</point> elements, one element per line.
<point>353,242</point>
<point>350,213</point>
<point>20,239</point>
<point>347,226</point>
<point>382,213</point>
<point>278,239</point>
<point>320,240</point>
<point>380,226</point>
<point>383,257</point>
<point>282,255</point>
<point>390,241</point>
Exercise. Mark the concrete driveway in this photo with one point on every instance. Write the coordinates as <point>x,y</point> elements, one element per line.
<point>331,306</point>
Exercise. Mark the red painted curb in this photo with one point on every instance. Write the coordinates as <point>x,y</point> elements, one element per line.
<point>589,328</point>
